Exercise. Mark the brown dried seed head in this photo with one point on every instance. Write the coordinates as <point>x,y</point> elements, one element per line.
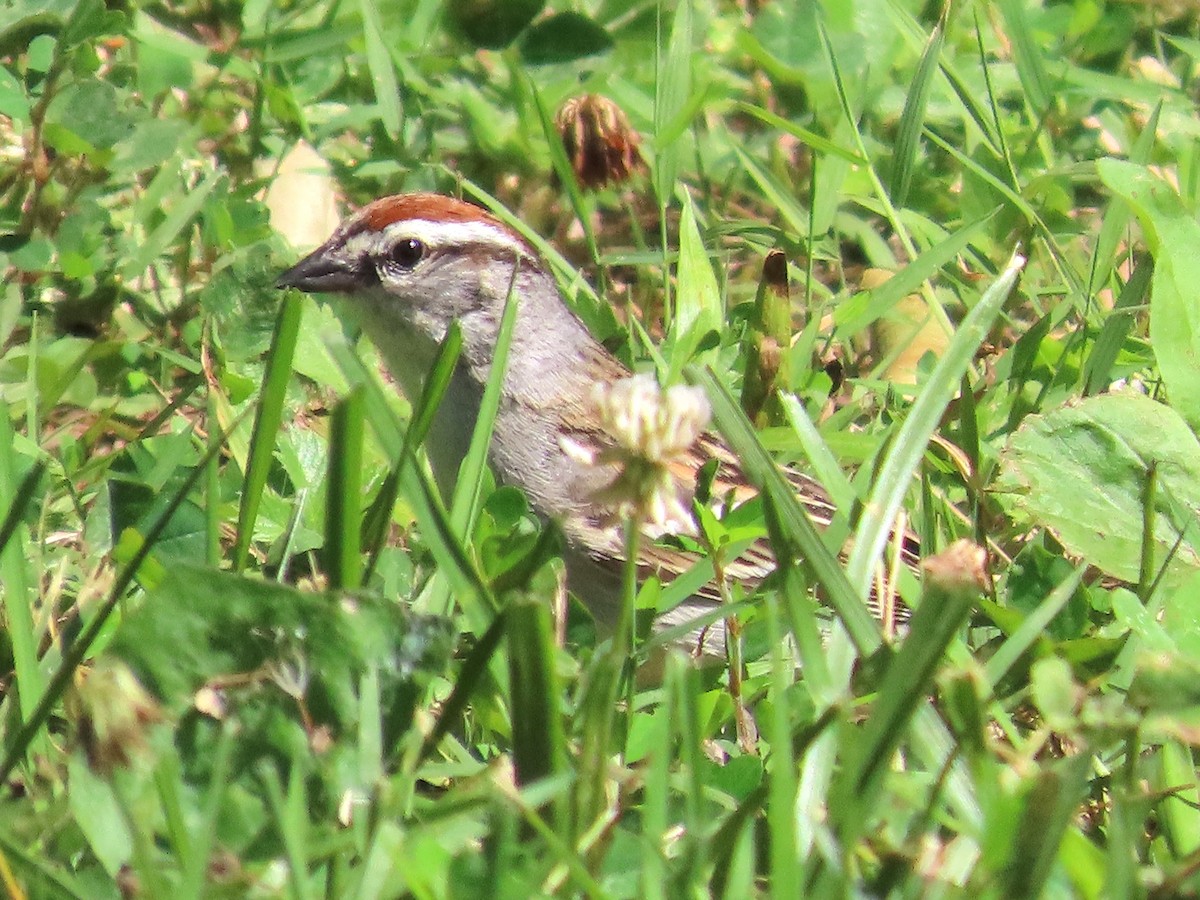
<point>113,714</point>
<point>600,143</point>
<point>774,271</point>
<point>960,567</point>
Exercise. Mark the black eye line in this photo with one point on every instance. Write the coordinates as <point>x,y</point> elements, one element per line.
<point>367,270</point>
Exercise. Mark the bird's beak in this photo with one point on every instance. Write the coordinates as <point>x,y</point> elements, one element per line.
<point>319,272</point>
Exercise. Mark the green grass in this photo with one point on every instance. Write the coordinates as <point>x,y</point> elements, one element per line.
<point>247,648</point>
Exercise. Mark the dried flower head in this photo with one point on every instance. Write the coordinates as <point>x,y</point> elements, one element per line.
<point>961,568</point>
<point>600,143</point>
<point>113,713</point>
<point>651,431</point>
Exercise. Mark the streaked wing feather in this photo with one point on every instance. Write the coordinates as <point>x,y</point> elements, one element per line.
<point>729,482</point>
<point>756,561</point>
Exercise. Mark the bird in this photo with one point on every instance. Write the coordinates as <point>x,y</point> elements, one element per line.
<point>408,266</point>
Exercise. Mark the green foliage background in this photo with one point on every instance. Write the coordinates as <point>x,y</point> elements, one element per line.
<point>247,651</point>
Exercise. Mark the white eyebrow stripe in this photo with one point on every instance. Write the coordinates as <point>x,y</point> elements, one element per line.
<point>358,245</point>
<point>449,234</point>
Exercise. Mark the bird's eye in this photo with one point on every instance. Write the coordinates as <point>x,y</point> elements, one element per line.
<point>407,252</point>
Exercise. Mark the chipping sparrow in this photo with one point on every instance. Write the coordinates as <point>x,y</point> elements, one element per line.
<point>409,265</point>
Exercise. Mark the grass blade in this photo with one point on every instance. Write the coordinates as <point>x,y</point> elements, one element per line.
<point>782,786</point>
<point>465,504</point>
<point>852,320</point>
<point>566,175</point>
<point>538,741</point>
<point>1032,628</point>
<point>908,445</point>
<point>16,595</point>
<point>191,202</point>
<point>473,671</point>
<point>383,75</point>
<point>290,824</point>
<point>267,420</point>
<point>78,649</point>
<point>912,120</point>
<point>780,196</point>
<point>375,528</point>
<point>451,557</point>
<point>1097,370</point>
<point>205,831</point>
<point>810,138</point>
<point>820,457</point>
<point>943,610</point>
<point>672,84</point>
<point>1116,218</point>
<point>343,499</point>
<point>596,314</point>
<point>465,501</point>
<point>762,472</point>
<point>1027,54</point>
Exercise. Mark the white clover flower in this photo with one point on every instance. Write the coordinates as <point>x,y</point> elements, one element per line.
<point>655,424</point>
<point>652,430</point>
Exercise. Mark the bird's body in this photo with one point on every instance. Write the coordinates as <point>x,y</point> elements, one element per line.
<point>409,266</point>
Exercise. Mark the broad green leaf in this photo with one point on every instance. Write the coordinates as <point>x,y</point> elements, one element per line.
<point>75,652</point>
<point>698,308</point>
<point>1081,471</point>
<point>92,110</point>
<point>312,359</point>
<point>1055,692</point>
<point>13,102</point>
<point>784,41</point>
<point>1173,236</point>
<point>1032,627</point>
<point>1181,811</point>
<point>200,623</point>
<point>134,504</point>
<point>90,19</point>
<point>24,22</point>
<point>1181,617</point>
<point>97,814</point>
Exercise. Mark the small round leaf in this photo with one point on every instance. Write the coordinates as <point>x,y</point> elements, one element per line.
<point>562,38</point>
<point>492,24</point>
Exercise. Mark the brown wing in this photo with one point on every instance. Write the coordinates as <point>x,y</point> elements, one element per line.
<point>757,560</point>
<point>729,482</point>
